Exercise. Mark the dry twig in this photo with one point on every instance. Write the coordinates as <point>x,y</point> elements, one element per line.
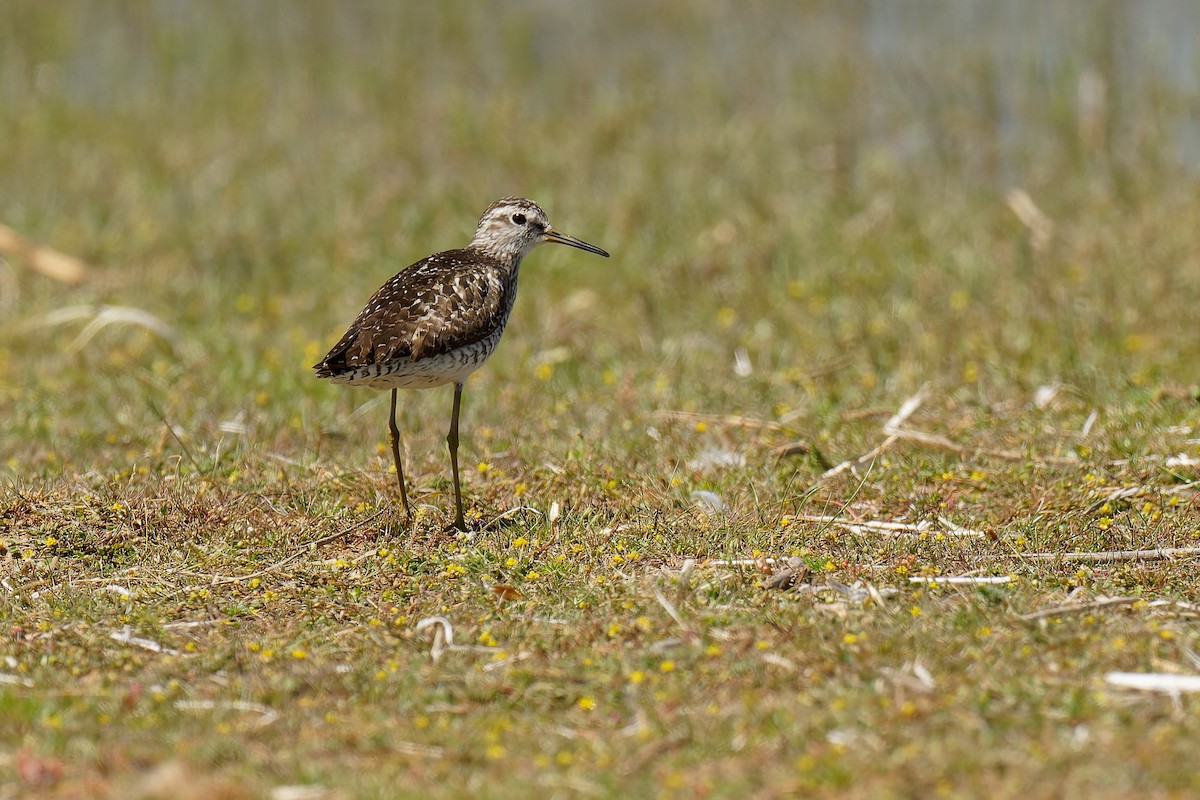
<point>46,260</point>
<point>1078,608</point>
<point>1157,554</point>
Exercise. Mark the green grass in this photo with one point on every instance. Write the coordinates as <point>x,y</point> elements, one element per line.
<point>249,173</point>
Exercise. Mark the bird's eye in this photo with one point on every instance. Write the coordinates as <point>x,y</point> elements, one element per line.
<point>518,219</point>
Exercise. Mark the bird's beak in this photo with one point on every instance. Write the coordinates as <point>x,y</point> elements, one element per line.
<point>552,235</point>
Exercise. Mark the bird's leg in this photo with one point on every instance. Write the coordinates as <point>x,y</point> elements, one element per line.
<point>394,435</point>
<point>452,440</point>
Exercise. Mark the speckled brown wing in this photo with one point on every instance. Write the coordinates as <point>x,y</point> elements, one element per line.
<point>444,302</point>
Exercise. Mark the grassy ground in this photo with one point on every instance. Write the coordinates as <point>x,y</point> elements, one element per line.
<point>207,588</point>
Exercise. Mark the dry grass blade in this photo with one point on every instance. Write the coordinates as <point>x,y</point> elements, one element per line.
<point>125,636</point>
<point>1041,228</point>
<point>729,420</point>
<point>1145,490</point>
<point>14,680</point>
<point>1154,681</point>
<point>100,317</point>
<point>885,527</point>
<point>942,443</point>
<point>906,410</point>
<point>963,580</point>
<point>46,260</point>
<point>266,715</point>
<point>671,610</point>
<point>1078,608</point>
<point>1155,554</point>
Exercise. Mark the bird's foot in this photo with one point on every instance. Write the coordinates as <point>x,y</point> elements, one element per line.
<point>464,528</point>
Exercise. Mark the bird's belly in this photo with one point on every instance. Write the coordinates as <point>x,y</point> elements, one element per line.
<point>423,373</point>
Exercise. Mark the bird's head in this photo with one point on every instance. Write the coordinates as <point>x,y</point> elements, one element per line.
<point>512,226</point>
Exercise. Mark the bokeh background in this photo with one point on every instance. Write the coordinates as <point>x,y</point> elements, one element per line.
<point>820,185</point>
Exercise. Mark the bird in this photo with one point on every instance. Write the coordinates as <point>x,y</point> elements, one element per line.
<point>438,320</point>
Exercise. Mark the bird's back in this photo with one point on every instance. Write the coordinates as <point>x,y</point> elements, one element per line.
<point>445,310</point>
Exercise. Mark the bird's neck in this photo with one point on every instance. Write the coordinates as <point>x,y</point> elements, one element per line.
<point>505,253</point>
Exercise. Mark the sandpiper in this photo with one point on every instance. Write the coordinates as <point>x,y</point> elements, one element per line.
<point>438,320</point>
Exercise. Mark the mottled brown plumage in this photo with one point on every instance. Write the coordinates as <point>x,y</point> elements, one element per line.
<point>440,319</point>
<point>446,302</point>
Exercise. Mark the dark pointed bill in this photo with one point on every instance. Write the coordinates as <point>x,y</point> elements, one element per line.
<point>561,238</point>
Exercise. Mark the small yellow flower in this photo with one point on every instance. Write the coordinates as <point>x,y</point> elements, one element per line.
<point>667,666</point>
<point>1135,342</point>
<point>637,676</point>
<point>520,541</point>
<point>51,541</point>
<point>299,654</point>
<point>587,703</point>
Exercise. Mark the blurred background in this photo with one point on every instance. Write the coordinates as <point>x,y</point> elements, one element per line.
<point>812,207</point>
